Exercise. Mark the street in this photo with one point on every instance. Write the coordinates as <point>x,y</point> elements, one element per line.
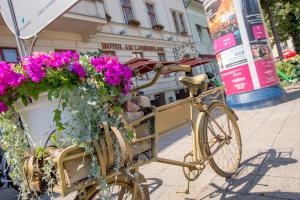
<point>269,169</point>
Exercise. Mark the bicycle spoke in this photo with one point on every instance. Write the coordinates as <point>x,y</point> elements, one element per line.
<point>222,140</point>
<point>220,128</point>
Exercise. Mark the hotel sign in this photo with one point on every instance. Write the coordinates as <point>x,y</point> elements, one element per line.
<point>131,47</point>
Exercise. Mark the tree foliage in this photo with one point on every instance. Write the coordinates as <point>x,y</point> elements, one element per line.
<point>287,17</point>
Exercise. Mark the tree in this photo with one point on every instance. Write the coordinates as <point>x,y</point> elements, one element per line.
<point>285,15</point>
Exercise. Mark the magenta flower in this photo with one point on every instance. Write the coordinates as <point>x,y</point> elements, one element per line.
<point>3,107</point>
<point>2,89</point>
<point>79,70</point>
<point>9,78</point>
<point>114,72</point>
<point>112,78</point>
<point>34,70</point>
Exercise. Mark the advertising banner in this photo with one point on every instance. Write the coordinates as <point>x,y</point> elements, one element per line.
<point>228,46</point>
<point>259,43</point>
<point>232,35</point>
<point>33,15</point>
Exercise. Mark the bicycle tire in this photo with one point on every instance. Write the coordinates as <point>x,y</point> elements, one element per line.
<point>123,181</point>
<point>205,142</point>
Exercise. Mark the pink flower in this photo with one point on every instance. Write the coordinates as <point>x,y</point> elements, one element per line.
<point>34,71</point>
<point>3,107</point>
<point>79,70</point>
<point>2,89</point>
<point>9,78</point>
<point>114,72</point>
<point>112,78</point>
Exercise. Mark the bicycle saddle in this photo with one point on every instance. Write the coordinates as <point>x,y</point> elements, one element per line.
<point>195,80</point>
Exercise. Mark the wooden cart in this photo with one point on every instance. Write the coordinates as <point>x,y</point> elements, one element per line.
<point>73,165</point>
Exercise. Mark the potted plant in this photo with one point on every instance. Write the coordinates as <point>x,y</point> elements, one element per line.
<point>108,17</point>
<point>158,27</point>
<point>184,33</point>
<point>134,23</point>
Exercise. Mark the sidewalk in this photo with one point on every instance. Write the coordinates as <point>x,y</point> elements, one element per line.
<point>269,170</point>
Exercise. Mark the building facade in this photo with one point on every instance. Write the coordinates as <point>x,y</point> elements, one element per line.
<point>125,28</point>
<point>201,36</point>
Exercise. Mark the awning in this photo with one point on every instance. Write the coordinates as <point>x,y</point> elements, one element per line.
<point>194,61</point>
<point>143,66</point>
<point>133,60</point>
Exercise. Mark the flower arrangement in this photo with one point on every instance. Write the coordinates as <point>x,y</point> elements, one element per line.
<point>134,22</point>
<point>45,72</point>
<point>184,33</point>
<point>158,27</point>
<point>90,85</point>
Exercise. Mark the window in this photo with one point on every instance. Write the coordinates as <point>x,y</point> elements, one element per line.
<point>171,99</point>
<point>174,15</point>
<point>9,55</point>
<point>137,55</point>
<point>183,29</point>
<point>179,22</point>
<point>162,57</point>
<point>209,35</point>
<point>127,10</point>
<point>109,53</point>
<point>200,33</point>
<point>151,13</point>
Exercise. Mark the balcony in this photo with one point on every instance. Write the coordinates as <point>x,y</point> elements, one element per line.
<point>90,10</point>
<point>86,18</point>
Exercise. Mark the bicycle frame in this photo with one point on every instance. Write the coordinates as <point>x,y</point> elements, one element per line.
<point>171,117</point>
<point>194,104</point>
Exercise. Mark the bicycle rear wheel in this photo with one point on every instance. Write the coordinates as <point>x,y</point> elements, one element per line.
<point>220,139</point>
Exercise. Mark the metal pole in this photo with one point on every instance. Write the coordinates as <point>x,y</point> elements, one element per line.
<point>20,43</point>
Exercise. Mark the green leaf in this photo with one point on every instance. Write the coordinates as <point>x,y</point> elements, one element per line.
<point>54,140</point>
<point>118,109</point>
<point>57,120</point>
<point>25,100</point>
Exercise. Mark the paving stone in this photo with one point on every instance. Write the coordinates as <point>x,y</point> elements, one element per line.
<point>270,165</point>
<point>286,188</point>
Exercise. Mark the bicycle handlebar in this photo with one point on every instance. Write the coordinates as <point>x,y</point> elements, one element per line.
<point>163,70</point>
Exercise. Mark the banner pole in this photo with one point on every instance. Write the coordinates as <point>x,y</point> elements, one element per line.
<point>20,44</point>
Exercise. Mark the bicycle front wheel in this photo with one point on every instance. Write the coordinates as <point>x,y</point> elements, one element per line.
<point>221,140</point>
<point>119,188</point>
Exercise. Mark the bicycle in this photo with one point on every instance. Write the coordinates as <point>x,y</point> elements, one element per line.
<point>215,135</point>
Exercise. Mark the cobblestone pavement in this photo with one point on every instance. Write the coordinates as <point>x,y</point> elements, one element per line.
<point>270,168</point>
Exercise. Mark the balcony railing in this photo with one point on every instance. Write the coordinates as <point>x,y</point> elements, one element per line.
<point>89,8</point>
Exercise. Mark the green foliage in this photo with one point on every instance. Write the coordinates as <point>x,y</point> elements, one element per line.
<point>290,69</point>
<point>287,17</point>
<point>15,143</point>
<point>286,67</point>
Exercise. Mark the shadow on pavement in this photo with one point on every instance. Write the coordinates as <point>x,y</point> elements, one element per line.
<point>242,183</point>
<point>153,184</point>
